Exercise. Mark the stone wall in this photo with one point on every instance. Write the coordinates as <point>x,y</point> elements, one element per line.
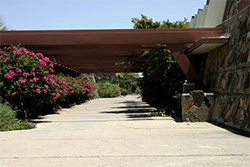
<point>227,73</point>
<point>196,106</point>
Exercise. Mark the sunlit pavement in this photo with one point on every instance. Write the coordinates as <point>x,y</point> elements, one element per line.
<point>120,132</point>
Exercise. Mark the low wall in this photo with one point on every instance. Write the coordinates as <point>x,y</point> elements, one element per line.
<point>196,106</point>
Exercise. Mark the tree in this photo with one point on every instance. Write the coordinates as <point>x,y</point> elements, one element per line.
<point>162,81</point>
<point>145,23</point>
<point>2,25</point>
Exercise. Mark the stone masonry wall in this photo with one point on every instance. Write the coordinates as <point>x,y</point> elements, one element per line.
<point>227,73</point>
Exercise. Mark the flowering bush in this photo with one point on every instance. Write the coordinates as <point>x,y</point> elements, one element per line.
<point>71,90</point>
<point>27,82</point>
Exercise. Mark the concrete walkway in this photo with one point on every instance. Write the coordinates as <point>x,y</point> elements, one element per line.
<point>119,132</point>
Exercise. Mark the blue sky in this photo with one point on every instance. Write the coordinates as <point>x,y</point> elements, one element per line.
<point>91,14</point>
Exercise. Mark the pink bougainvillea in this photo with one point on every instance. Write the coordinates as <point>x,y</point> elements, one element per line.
<point>38,90</point>
<point>25,74</point>
<point>28,82</point>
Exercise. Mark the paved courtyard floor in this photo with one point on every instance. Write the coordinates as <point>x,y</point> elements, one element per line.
<point>120,132</point>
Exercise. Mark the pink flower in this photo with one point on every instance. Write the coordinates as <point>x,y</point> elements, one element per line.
<point>23,81</point>
<point>46,59</point>
<point>46,86</point>
<point>7,103</point>
<point>35,79</point>
<point>1,57</point>
<point>43,63</point>
<point>19,70</point>
<point>18,51</point>
<point>14,93</point>
<point>6,60</point>
<point>32,70</point>
<point>26,50</point>
<point>45,78</point>
<point>12,73</point>
<point>40,55</point>
<point>51,70</point>
<point>45,91</point>
<point>38,66</point>
<point>51,65</point>
<point>47,72</point>
<point>8,76</point>
<point>25,74</point>
<point>38,91</point>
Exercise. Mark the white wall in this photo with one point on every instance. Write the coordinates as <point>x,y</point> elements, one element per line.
<point>211,15</point>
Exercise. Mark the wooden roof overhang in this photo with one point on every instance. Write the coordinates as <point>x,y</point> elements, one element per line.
<point>97,51</point>
<point>204,45</point>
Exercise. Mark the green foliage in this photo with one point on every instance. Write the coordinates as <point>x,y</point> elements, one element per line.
<point>122,84</point>
<point>107,89</point>
<point>169,111</point>
<point>8,120</point>
<point>136,87</point>
<point>146,23</point>
<point>123,91</point>
<point>127,75</point>
<point>162,81</point>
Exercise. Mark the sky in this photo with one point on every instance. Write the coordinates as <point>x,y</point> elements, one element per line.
<point>91,14</point>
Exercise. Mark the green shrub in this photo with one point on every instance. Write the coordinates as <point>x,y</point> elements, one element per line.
<point>124,92</point>
<point>137,90</point>
<point>123,84</point>
<point>8,120</point>
<point>162,81</point>
<point>107,89</point>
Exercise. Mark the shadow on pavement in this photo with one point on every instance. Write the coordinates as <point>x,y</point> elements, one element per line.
<point>38,122</point>
<point>129,111</point>
<point>178,119</point>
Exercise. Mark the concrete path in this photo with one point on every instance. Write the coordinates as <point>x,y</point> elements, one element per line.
<point>119,132</point>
